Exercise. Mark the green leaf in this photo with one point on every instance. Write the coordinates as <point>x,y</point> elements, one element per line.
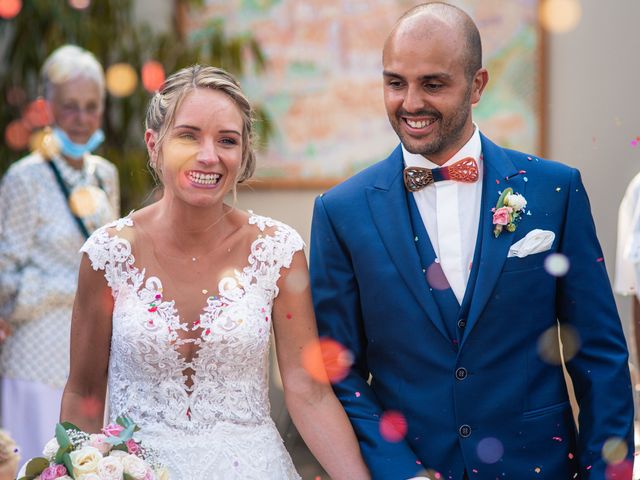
<point>122,447</point>
<point>70,426</point>
<point>126,476</point>
<point>61,435</point>
<point>66,461</point>
<point>36,466</point>
<point>507,191</point>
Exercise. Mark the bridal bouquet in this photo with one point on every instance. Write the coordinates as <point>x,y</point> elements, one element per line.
<point>110,455</point>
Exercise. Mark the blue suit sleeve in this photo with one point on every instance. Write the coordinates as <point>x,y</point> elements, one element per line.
<point>599,370</point>
<point>337,307</point>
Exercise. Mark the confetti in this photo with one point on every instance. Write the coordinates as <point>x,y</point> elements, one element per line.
<point>436,277</point>
<point>79,4</point>
<point>10,8</point>
<point>558,189</point>
<point>393,426</point>
<point>549,344</point>
<point>326,360</point>
<point>559,16</point>
<point>556,264</point>
<point>557,439</point>
<point>357,394</point>
<point>121,79</point>
<point>152,75</point>
<point>614,450</point>
<point>537,469</point>
<point>619,471</point>
<point>489,450</point>
<point>17,135</point>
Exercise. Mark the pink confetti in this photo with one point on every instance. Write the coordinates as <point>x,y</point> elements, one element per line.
<point>570,456</point>
<point>557,439</point>
<point>588,467</point>
<point>497,182</point>
<point>634,143</point>
<point>393,426</point>
<point>357,394</point>
<point>474,470</point>
<point>601,259</point>
<point>418,462</point>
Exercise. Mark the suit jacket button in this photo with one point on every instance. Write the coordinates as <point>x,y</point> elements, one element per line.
<point>464,431</point>
<point>462,323</point>
<point>461,373</point>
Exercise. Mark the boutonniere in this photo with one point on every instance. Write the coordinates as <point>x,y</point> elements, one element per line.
<point>507,211</point>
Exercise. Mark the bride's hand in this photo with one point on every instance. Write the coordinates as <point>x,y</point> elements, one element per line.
<point>5,330</point>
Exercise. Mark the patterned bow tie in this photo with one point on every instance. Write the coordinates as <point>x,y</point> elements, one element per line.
<point>465,170</point>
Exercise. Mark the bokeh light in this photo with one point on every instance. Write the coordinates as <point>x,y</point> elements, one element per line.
<point>393,426</point>
<point>79,4</point>
<point>326,360</point>
<point>38,113</point>
<point>84,201</point>
<point>436,277</point>
<point>549,347</point>
<point>16,135</point>
<point>489,450</point>
<point>121,79</point>
<point>43,142</point>
<point>10,8</point>
<point>614,450</point>
<point>560,16</point>
<point>152,75</point>
<point>556,264</point>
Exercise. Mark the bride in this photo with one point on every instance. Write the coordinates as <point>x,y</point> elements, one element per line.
<point>176,303</point>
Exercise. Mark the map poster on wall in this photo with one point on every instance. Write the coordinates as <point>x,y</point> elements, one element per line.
<point>323,83</point>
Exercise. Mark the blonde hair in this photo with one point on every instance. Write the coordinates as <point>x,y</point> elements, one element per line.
<point>166,102</point>
<point>70,62</point>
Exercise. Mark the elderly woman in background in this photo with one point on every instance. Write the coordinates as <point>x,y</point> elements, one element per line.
<point>49,204</point>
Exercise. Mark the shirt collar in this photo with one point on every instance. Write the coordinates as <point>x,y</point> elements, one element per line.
<point>473,148</point>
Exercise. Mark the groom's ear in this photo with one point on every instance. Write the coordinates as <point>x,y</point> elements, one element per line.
<point>478,84</point>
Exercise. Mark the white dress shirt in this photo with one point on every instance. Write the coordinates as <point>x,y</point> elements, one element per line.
<point>450,211</point>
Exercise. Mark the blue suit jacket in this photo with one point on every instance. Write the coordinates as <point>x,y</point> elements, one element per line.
<point>370,294</point>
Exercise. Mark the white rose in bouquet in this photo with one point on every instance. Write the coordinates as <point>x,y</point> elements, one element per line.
<point>88,476</point>
<point>134,466</point>
<point>98,440</point>
<point>119,454</point>
<point>50,449</point>
<point>110,468</point>
<point>85,461</point>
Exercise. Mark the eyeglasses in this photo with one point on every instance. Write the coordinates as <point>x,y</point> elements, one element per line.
<point>73,109</point>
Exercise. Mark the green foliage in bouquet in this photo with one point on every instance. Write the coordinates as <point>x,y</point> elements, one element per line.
<point>70,438</point>
<point>107,29</point>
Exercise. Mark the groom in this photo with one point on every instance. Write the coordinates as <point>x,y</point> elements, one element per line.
<point>430,267</point>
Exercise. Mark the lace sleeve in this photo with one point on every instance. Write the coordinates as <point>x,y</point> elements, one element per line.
<point>275,249</point>
<point>110,253</point>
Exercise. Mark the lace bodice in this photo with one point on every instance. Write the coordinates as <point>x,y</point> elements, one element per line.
<point>229,384</point>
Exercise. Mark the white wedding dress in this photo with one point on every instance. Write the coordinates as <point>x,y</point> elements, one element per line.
<point>219,427</point>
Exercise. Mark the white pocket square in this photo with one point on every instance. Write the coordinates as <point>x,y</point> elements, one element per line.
<point>535,241</point>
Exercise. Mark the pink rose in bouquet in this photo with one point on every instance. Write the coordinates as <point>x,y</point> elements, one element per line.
<point>112,430</point>
<point>53,472</point>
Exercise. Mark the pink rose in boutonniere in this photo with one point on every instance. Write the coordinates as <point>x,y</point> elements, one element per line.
<point>507,211</point>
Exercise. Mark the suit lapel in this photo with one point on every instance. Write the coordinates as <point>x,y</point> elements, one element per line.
<point>389,210</point>
<point>493,251</point>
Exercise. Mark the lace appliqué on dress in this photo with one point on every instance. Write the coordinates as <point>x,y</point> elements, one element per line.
<point>219,426</point>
